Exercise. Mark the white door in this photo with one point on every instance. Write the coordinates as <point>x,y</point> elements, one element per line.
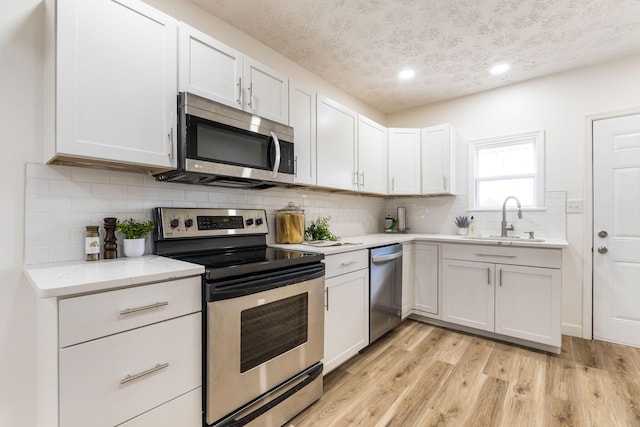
<point>336,138</point>
<point>266,91</point>
<point>302,118</point>
<point>467,293</point>
<point>616,232</point>
<point>209,68</point>
<point>425,278</point>
<point>404,161</point>
<point>116,82</point>
<point>372,156</point>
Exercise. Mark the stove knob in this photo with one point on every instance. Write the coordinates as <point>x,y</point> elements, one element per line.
<point>249,222</point>
<point>258,221</point>
<point>188,222</point>
<point>174,223</point>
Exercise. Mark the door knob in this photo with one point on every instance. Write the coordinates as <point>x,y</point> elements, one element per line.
<point>603,250</point>
<point>602,234</point>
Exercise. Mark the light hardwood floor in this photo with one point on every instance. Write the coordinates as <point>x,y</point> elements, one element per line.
<point>422,375</point>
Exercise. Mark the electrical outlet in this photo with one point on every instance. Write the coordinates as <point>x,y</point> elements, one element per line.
<point>574,206</point>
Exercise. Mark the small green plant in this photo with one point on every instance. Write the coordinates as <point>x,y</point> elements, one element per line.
<point>132,229</point>
<point>319,230</point>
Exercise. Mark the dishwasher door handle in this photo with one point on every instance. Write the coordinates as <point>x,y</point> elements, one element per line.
<point>382,258</point>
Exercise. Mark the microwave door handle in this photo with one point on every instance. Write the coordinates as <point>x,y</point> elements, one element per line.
<point>276,164</point>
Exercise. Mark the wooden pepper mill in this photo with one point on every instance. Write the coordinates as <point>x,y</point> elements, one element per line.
<point>110,245</point>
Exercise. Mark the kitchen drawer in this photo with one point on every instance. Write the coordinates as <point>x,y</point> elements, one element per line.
<point>183,411</point>
<point>97,315</point>
<point>346,262</point>
<point>536,257</point>
<point>91,374</point>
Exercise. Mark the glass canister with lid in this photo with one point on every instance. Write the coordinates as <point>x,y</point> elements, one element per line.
<point>290,224</point>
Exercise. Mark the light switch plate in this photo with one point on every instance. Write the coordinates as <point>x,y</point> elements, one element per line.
<point>574,206</point>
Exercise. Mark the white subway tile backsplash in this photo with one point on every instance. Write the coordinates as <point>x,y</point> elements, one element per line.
<point>47,204</point>
<point>70,188</point>
<point>141,192</point>
<point>37,186</point>
<point>109,191</point>
<point>128,178</point>
<point>90,175</point>
<point>196,196</point>
<point>173,194</point>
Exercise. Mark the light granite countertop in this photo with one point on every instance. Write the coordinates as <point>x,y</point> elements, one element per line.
<point>78,277</point>
<point>355,243</point>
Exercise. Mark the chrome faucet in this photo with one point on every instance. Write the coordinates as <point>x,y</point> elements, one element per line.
<point>504,227</point>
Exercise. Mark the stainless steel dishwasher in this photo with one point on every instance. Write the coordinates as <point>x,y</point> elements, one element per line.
<point>385,281</point>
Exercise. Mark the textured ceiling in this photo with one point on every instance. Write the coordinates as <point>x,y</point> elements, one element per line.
<point>361,45</point>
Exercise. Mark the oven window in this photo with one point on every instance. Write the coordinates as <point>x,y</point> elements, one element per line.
<point>272,329</point>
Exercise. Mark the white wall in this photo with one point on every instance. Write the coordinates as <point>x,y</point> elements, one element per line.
<point>21,80</point>
<point>560,104</point>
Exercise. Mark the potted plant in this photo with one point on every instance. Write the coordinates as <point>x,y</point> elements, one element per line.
<point>463,222</point>
<point>319,230</point>
<point>134,233</point>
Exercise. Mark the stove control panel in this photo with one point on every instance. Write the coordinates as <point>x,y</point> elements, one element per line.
<point>175,223</point>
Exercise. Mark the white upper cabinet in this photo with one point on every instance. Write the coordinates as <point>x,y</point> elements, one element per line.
<point>209,68</point>
<point>337,135</point>
<point>302,117</point>
<point>372,156</point>
<point>404,161</point>
<point>213,70</point>
<point>438,160</point>
<point>266,91</point>
<point>115,85</point>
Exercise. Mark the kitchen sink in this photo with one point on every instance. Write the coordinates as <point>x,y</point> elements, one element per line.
<point>503,239</point>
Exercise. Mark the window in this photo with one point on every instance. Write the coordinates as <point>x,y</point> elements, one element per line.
<point>506,166</point>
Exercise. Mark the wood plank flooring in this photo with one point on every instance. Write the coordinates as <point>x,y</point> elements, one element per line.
<point>422,375</point>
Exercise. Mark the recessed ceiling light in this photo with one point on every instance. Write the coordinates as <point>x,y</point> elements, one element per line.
<point>406,74</point>
<point>499,69</point>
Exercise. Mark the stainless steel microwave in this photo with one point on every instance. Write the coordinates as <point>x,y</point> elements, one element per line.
<point>222,146</point>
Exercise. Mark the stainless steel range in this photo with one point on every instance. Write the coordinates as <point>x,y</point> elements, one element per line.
<point>264,308</point>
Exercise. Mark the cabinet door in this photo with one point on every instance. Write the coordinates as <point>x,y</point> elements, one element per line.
<point>266,91</point>
<point>438,160</point>
<point>404,161</point>
<point>372,156</point>
<point>209,68</point>
<point>116,82</point>
<point>407,278</point>
<point>528,303</point>
<point>346,321</point>
<point>337,136</point>
<point>302,117</point>
<point>468,293</point>
<point>425,278</point>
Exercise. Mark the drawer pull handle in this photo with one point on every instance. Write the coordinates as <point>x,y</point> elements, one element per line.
<point>144,307</point>
<point>346,263</point>
<point>134,377</point>
<point>499,256</point>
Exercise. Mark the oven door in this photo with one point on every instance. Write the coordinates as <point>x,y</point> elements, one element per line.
<point>258,341</point>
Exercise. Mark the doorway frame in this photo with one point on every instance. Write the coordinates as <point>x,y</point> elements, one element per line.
<point>587,273</point>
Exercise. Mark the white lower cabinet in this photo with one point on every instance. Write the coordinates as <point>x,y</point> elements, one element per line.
<point>131,355</point>
<point>145,367</point>
<point>517,295</point>
<point>425,279</point>
<point>407,278</point>
<point>467,293</point>
<point>528,303</point>
<point>346,321</point>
